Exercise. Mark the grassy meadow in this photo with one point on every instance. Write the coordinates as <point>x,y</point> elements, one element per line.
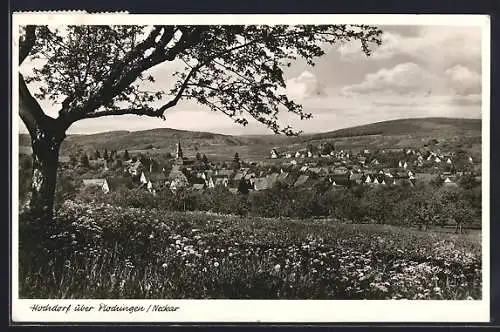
<point>101,251</point>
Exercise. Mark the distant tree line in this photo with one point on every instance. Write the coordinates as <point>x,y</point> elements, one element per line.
<point>420,206</point>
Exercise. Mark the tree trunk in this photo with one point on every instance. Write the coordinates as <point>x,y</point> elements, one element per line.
<point>45,146</point>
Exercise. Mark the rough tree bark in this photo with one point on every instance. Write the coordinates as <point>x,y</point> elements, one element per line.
<point>46,138</point>
<point>45,146</point>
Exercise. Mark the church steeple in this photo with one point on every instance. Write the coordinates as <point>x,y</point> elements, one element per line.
<point>179,157</point>
<point>178,152</point>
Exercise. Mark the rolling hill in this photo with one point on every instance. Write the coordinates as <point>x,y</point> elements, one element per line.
<point>441,127</point>
<point>403,132</point>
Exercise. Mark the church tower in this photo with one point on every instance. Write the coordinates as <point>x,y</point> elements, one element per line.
<point>179,158</point>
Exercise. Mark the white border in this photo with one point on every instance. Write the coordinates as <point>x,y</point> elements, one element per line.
<point>266,310</point>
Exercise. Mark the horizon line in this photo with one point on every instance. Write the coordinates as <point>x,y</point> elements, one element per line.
<point>270,134</point>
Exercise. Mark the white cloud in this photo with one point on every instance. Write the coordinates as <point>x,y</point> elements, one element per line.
<point>405,78</point>
<point>410,79</point>
<point>303,86</point>
<point>436,45</point>
<point>463,79</point>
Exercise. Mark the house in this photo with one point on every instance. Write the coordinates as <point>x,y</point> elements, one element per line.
<point>356,178</point>
<point>340,170</point>
<point>155,180</point>
<point>198,186</point>
<point>177,178</point>
<point>143,179</point>
<point>341,179</point>
<point>149,186</point>
<point>222,181</point>
<point>260,184</point>
<point>301,181</point>
<point>136,167</point>
<point>238,176</point>
<point>285,178</point>
<point>298,154</point>
<point>317,170</point>
<point>274,154</point>
<point>448,161</point>
<point>336,186</point>
<point>249,176</point>
<point>99,183</point>
<point>210,183</point>
<point>224,172</point>
<point>368,179</point>
<point>272,179</point>
<point>179,182</point>
<point>64,160</point>
<point>449,183</point>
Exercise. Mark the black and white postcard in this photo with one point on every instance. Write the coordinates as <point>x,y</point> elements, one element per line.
<point>250,168</point>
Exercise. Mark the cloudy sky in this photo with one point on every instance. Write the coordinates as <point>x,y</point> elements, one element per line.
<point>419,71</point>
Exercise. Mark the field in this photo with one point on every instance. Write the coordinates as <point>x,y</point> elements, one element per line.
<point>102,251</point>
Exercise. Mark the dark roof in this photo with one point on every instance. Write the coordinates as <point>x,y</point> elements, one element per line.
<point>156,176</point>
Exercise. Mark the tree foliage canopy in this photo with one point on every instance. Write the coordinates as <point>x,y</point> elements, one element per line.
<point>95,71</point>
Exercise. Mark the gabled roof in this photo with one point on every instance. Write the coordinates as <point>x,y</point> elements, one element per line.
<point>272,178</point>
<point>301,180</point>
<point>286,178</point>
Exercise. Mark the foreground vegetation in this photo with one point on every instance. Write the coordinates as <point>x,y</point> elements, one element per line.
<point>103,251</point>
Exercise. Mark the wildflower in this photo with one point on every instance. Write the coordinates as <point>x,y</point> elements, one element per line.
<point>277,267</point>
<point>164,265</point>
<point>216,264</point>
<point>437,289</point>
<point>151,236</point>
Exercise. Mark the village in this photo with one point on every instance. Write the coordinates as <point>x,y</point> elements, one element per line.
<point>300,169</point>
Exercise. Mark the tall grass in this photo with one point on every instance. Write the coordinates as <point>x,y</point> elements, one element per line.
<point>101,251</point>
